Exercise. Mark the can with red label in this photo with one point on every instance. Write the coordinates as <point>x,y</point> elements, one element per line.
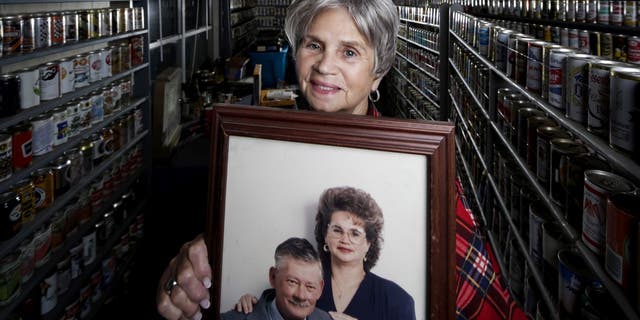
<point>11,35</point>
<point>633,49</point>
<point>21,136</point>
<point>598,186</point>
<point>49,81</point>
<point>67,77</point>
<point>534,66</point>
<point>557,90</point>
<point>616,15</point>
<point>546,51</point>
<point>29,87</point>
<point>622,221</point>
<point>42,244</point>
<point>57,29</point>
<point>623,130</point>
<point>137,51</point>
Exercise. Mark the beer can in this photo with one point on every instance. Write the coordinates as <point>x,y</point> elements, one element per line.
<point>9,85</point>
<point>606,46</point>
<point>621,231</point>
<point>108,101</point>
<point>10,284</point>
<point>44,190</point>
<point>483,38</point>
<point>581,11</point>
<point>86,150</point>
<point>577,67</point>
<point>27,261</point>
<point>564,37</point>
<point>633,49</point>
<point>137,51</point>
<point>115,12</point>
<point>620,47</point>
<point>630,14</point>
<point>64,275</point>
<point>97,107</point>
<point>74,172</point>
<point>128,19</point>
<point>116,96</point>
<point>510,70</point>
<point>83,25</point>
<point>534,66</point>
<point>122,24</point>
<point>125,56</point>
<point>10,215</point>
<point>29,87</point>
<point>594,43</point>
<point>49,293</point>
<point>512,122</point>
<point>522,115</point>
<point>28,33</point>
<point>546,50</point>
<point>562,152</point>
<point>95,66</point>
<point>42,244</point>
<point>583,42</point>
<point>598,102</point>
<point>125,89</point>
<point>67,76</point>
<point>533,123</point>
<point>42,23</point>
<point>592,11</point>
<point>553,240</point>
<point>73,114</point>
<point>604,12</point>
<point>21,139</point>
<point>70,22</point>
<point>43,132</point>
<point>11,35</point>
<point>522,47</point>
<point>502,49</point>
<point>25,189</point>
<point>544,136</point>
<point>49,81</point>
<point>573,277</point>
<point>623,130</point>
<point>115,60</point>
<point>6,169</point>
<point>574,39</point>
<point>138,21</point>
<point>616,15</point>
<point>598,185</point>
<point>81,70</point>
<point>597,303</point>
<point>60,168</point>
<point>57,29</point>
<point>85,112</point>
<point>94,24</point>
<point>105,22</point>
<point>105,57</point>
<point>61,125</point>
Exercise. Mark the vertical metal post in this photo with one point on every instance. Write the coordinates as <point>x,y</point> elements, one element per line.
<point>443,48</point>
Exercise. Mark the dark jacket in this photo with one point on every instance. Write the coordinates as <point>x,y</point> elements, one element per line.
<point>261,310</point>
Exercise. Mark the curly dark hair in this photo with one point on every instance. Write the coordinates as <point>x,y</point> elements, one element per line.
<point>360,204</point>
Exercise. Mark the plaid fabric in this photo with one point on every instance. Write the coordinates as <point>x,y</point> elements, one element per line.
<point>481,293</point>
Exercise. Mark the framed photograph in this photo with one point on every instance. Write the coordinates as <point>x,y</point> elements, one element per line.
<point>270,166</point>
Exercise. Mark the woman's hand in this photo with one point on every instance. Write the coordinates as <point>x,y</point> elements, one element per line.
<point>340,316</point>
<point>245,304</point>
<point>183,287</point>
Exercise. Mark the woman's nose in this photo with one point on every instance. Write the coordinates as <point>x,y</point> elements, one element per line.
<point>326,63</point>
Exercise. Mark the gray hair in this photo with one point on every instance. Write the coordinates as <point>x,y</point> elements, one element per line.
<point>377,20</point>
<point>298,249</point>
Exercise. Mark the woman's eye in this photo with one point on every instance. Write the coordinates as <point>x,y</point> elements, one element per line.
<point>313,45</point>
<point>350,53</point>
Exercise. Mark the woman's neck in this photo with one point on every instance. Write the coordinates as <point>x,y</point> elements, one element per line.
<point>347,273</point>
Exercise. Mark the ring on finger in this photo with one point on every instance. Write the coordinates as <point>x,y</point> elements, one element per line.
<point>170,284</point>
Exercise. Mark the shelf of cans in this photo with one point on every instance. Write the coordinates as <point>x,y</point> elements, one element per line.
<point>27,36</point>
<point>420,106</point>
<point>74,228</point>
<point>607,13</point>
<point>556,166</point>
<point>422,81</point>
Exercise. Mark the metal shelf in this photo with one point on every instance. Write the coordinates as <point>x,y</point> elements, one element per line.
<point>48,105</point>
<point>11,59</point>
<point>412,106</point>
<point>581,133</point>
<point>434,51</point>
<point>619,161</point>
<point>431,25</point>
<point>44,215</point>
<point>418,89</point>
<point>418,67</point>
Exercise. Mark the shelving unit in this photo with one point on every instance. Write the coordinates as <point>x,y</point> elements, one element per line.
<point>487,146</point>
<point>238,26</point>
<point>130,160</point>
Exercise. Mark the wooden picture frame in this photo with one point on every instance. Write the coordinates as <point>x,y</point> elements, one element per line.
<point>269,166</point>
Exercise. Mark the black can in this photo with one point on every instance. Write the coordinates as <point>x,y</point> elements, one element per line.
<point>9,97</point>
<point>28,34</point>
<point>83,25</point>
<point>10,216</point>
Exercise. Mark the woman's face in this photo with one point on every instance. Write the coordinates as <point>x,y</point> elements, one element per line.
<point>346,238</point>
<point>334,64</point>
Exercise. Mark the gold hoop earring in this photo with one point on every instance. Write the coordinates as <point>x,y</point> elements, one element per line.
<point>365,259</point>
<point>325,248</point>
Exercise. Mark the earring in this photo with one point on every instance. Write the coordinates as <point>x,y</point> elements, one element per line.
<point>325,248</point>
<point>377,96</point>
<point>365,259</point>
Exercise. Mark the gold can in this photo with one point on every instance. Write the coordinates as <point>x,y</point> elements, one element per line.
<point>25,188</point>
